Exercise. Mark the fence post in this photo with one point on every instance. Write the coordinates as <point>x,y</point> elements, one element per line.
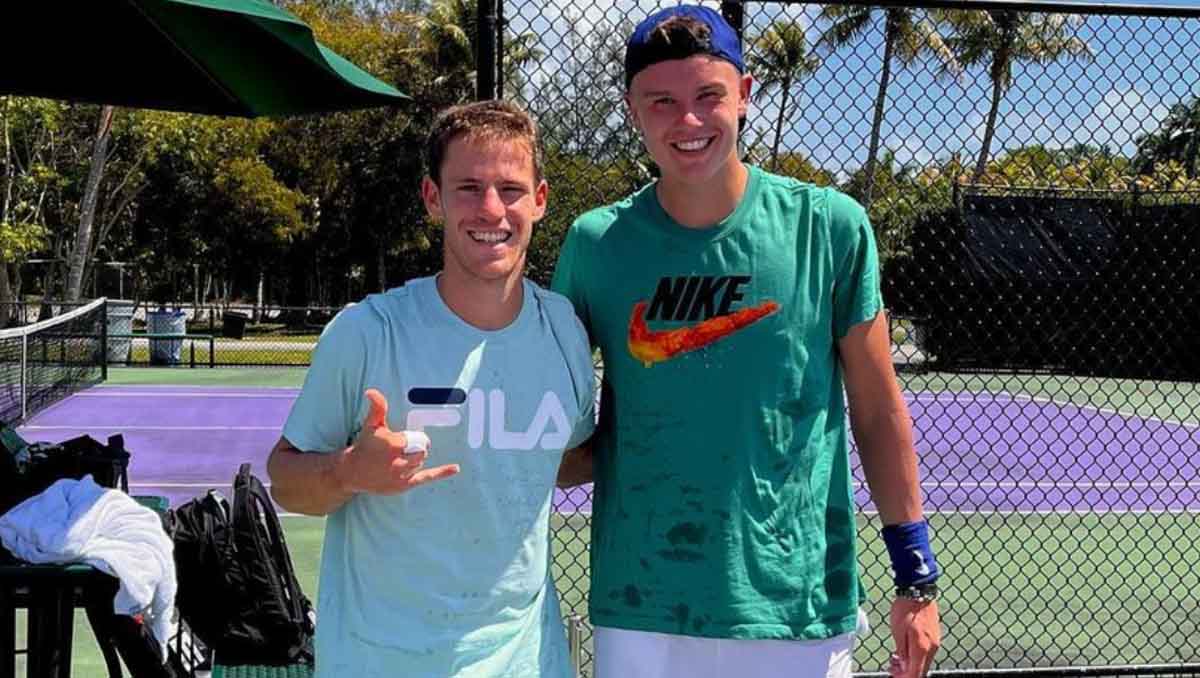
<point>104,340</point>
<point>24,375</point>
<point>734,13</point>
<point>486,52</point>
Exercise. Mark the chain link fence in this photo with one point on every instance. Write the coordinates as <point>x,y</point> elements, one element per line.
<point>1031,174</point>
<point>191,335</point>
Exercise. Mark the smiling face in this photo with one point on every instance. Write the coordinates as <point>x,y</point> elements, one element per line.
<point>488,199</point>
<point>688,112</point>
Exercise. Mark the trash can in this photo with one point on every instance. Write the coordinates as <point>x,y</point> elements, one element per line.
<point>162,321</point>
<point>119,322</point>
<point>233,325</point>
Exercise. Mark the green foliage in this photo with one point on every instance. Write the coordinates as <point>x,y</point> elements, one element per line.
<point>780,59</point>
<point>1176,140</point>
<point>578,183</point>
<point>906,39</point>
<point>251,202</point>
<point>1002,38</point>
<point>327,206</point>
<point>19,240</point>
<point>30,173</point>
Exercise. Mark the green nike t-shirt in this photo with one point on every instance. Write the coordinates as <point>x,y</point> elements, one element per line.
<point>723,504</point>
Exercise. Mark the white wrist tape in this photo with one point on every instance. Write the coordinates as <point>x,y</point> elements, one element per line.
<point>417,442</point>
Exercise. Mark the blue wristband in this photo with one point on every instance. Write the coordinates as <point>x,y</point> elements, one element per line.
<point>912,558</point>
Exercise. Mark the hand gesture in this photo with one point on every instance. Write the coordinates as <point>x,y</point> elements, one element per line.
<point>378,462</point>
<point>917,635</point>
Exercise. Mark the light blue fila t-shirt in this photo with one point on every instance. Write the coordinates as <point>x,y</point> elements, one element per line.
<point>451,578</point>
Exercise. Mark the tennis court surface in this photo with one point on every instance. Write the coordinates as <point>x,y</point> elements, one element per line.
<point>1069,532</point>
<point>979,451</point>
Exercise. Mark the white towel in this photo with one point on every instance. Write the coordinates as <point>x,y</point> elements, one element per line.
<point>79,521</point>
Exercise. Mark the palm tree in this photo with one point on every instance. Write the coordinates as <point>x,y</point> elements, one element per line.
<point>1177,138</point>
<point>906,37</point>
<point>1003,37</point>
<point>780,58</point>
<point>445,41</point>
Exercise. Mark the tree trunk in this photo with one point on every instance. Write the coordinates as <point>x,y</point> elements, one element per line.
<point>1190,153</point>
<point>50,286</point>
<point>258,298</point>
<point>885,76</point>
<point>87,210</point>
<point>989,131</point>
<point>786,90</point>
<point>999,75</point>
<point>379,270</point>
<point>6,293</point>
<point>6,297</point>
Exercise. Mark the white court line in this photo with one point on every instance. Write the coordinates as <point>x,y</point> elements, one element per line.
<point>1107,410</point>
<point>979,396</point>
<point>1082,486</point>
<point>928,512</point>
<point>994,512</point>
<point>951,485</point>
<point>962,395</point>
<point>1032,512</point>
<point>1100,513</point>
<point>119,427</point>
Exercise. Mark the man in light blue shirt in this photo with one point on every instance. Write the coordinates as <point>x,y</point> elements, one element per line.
<point>444,570</point>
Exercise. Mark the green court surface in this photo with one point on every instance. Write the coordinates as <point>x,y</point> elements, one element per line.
<point>277,353</point>
<point>1108,589</point>
<point>1162,400</point>
<point>1165,400</point>
<point>303,535</point>
<point>1021,589</point>
<point>1103,589</point>
<point>207,376</point>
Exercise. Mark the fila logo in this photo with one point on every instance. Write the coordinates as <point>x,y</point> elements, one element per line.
<point>445,407</point>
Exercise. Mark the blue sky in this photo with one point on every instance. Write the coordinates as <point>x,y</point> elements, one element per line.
<point>1140,67</point>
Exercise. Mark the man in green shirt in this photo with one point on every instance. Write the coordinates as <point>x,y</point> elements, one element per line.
<point>732,307</point>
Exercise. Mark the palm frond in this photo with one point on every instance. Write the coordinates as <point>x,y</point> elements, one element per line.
<point>850,24</point>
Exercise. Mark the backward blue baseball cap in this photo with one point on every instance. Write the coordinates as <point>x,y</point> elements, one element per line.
<point>641,51</point>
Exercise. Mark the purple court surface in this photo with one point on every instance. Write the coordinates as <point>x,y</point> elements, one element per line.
<point>978,452</point>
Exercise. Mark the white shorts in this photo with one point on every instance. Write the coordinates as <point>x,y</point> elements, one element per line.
<point>621,653</point>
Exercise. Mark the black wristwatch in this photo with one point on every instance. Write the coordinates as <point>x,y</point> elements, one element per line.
<point>920,593</point>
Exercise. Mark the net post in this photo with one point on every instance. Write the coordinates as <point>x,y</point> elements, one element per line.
<point>104,340</point>
<point>575,641</point>
<point>24,374</point>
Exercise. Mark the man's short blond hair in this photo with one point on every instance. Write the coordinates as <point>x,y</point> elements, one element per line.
<point>483,121</point>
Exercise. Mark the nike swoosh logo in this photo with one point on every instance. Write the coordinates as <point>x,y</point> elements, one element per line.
<point>650,346</point>
<point>923,568</point>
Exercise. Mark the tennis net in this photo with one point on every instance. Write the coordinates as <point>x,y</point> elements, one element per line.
<point>47,361</point>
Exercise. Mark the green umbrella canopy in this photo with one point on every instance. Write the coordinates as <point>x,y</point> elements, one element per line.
<point>220,57</point>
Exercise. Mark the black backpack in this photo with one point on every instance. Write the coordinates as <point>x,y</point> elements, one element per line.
<point>27,469</point>
<point>237,589</point>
